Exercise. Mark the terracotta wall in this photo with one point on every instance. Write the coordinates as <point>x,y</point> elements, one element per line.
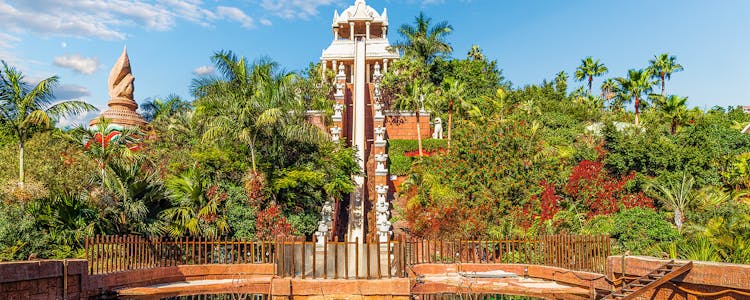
<point>43,279</point>
<point>178,273</point>
<point>703,279</point>
<point>404,126</point>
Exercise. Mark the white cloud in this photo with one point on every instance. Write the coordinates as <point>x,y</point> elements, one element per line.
<point>266,22</point>
<point>203,70</point>
<point>289,9</point>
<point>78,63</point>
<point>7,40</point>
<point>235,14</point>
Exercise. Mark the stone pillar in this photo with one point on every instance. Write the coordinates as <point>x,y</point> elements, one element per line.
<point>367,30</point>
<point>351,31</point>
<point>335,33</point>
<point>324,69</point>
<point>385,65</point>
<point>385,31</point>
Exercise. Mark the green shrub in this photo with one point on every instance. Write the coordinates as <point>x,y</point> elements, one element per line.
<point>400,164</point>
<point>640,230</point>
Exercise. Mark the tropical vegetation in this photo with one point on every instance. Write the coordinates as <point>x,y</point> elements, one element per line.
<point>240,159</point>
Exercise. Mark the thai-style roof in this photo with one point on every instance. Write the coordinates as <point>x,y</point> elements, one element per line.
<point>122,106</point>
<point>360,11</point>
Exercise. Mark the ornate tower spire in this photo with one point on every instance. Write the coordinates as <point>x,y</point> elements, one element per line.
<point>121,104</point>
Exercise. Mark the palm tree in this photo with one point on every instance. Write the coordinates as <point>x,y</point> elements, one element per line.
<point>475,53</point>
<point>561,82</point>
<point>413,100</point>
<point>25,108</point>
<point>662,67</point>
<point>589,69</point>
<point>674,109</point>
<point>196,207</point>
<point>609,88</point>
<point>636,85</point>
<point>422,41</point>
<point>676,196</point>
<point>251,102</point>
<point>157,110</point>
<point>453,90</point>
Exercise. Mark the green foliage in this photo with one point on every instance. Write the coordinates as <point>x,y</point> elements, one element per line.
<point>638,229</point>
<point>400,164</point>
<point>19,237</point>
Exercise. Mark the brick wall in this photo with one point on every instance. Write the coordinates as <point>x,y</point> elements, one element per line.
<point>43,279</point>
<point>403,126</point>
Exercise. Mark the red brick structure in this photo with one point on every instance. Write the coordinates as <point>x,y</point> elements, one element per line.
<point>706,280</point>
<point>52,279</point>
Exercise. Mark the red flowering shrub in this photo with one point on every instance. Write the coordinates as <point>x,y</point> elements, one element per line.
<point>590,183</point>
<point>271,224</point>
<point>549,201</point>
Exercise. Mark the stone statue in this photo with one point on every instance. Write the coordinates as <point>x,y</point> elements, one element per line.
<point>380,136</point>
<point>337,109</point>
<point>380,167</point>
<point>376,75</point>
<point>378,110</point>
<point>335,133</point>
<point>341,70</point>
<point>438,132</point>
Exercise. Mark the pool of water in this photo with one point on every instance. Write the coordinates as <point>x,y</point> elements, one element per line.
<point>442,296</point>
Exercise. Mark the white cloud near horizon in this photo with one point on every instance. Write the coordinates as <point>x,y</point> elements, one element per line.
<point>77,63</point>
<point>204,70</point>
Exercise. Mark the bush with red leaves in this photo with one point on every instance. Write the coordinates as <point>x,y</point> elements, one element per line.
<point>272,224</point>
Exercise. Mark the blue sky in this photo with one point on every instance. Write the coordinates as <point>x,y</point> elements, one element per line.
<point>170,41</point>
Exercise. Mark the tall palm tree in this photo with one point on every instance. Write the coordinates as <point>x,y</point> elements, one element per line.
<point>674,109</point>
<point>636,85</point>
<point>454,91</point>
<point>662,67</point>
<point>25,108</point>
<point>561,82</point>
<point>423,41</point>
<point>589,69</point>
<point>413,100</point>
<point>250,102</point>
<point>676,195</point>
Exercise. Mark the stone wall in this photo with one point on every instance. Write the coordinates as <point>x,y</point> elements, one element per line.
<point>703,280</point>
<point>43,279</point>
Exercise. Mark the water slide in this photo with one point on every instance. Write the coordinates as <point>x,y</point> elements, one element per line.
<point>357,213</point>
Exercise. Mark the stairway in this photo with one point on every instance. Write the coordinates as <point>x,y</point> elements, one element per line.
<point>650,281</point>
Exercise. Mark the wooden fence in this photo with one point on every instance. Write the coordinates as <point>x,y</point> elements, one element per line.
<point>109,254</point>
<point>574,252</point>
<point>345,260</point>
